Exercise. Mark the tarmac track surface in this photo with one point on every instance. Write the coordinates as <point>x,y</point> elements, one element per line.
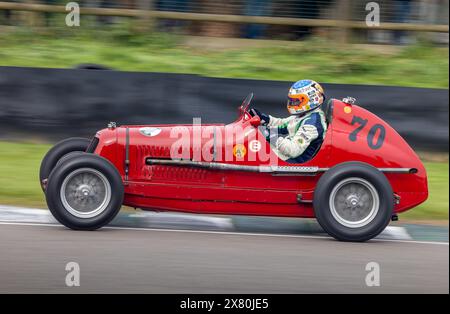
<point>33,258</point>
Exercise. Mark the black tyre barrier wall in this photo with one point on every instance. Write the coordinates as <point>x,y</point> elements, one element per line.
<point>57,103</point>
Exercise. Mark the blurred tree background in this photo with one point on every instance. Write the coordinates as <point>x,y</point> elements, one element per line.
<point>331,42</point>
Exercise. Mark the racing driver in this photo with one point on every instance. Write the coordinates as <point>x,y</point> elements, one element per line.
<point>297,138</point>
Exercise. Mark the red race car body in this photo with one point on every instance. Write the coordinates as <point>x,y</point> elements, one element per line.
<point>359,178</point>
<point>247,183</point>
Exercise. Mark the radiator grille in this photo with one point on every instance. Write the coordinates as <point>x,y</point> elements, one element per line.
<point>93,145</point>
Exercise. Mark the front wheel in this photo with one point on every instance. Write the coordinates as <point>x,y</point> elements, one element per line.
<point>84,192</point>
<point>56,153</point>
<point>353,201</point>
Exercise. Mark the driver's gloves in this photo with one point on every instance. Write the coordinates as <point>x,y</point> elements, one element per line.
<point>264,118</point>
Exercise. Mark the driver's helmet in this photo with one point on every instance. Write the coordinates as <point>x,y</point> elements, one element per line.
<point>304,96</point>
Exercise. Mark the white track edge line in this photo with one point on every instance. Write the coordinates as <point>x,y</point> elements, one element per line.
<point>223,232</point>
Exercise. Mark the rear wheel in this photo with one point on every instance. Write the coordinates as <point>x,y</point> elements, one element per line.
<point>60,150</point>
<point>353,202</point>
<point>84,192</point>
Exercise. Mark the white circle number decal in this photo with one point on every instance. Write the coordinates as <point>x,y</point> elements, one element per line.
<point>254,146</point>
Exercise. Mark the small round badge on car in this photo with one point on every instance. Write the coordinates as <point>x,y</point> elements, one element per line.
<point>147,131</point>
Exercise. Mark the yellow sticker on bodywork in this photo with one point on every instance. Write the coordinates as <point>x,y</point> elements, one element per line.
<point>239,151</point>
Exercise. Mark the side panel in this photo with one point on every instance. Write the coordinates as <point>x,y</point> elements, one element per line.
<point>211,191</point>
<point>354,135</point>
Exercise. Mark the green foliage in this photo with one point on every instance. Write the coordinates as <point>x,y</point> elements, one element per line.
<point>121,47</point>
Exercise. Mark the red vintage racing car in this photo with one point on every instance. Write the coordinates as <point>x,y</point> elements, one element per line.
<point>363,174</point>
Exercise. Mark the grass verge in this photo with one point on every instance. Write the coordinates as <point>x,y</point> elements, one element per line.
<point>420,65</point>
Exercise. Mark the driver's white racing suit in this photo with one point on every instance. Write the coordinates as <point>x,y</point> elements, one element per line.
<point>299,137</point>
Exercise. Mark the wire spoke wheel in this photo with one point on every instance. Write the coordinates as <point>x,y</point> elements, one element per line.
<point>85,193</point>
<point>354,202</point>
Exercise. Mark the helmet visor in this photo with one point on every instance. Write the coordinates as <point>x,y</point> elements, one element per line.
<point>293,102</point>
<point>297,102</point>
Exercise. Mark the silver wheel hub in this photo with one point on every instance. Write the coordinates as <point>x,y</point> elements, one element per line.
<point>354,202</point>
<point>85,193</point>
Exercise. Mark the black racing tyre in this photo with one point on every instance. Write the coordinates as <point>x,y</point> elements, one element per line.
<point>84,192</point>
<point>61,149</point>
<point>353,201</point>
<point>67,157</point>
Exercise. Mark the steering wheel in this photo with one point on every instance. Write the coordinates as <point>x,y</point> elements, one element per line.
<point>243,109</point>
<point>243,112</point>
